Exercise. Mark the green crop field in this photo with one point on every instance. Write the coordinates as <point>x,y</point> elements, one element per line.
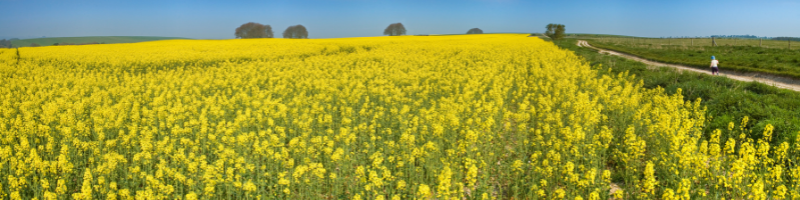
<point>656,43</point>
<point>84,40</point>
<point>726,99</point>
<point>740,55</point>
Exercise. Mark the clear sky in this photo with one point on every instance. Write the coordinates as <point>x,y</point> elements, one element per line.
<point>358,18</point>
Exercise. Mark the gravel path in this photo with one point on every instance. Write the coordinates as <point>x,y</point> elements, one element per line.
<point>779,82</point>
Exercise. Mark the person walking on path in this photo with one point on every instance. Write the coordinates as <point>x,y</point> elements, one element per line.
<point>714,66</point>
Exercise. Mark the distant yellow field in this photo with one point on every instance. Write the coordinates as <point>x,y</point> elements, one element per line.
<point>491,116</point>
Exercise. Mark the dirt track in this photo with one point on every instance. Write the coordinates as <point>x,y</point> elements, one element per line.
<point>779,82</point>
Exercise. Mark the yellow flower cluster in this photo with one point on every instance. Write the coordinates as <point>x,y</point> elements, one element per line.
<point>494,116</point>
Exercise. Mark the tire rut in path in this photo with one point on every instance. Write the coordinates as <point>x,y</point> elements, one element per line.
<point>779,82</point>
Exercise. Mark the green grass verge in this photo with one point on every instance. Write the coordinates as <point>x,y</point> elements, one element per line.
<point>726,99</point>
<point>82,40</point>
<point>775,61</point>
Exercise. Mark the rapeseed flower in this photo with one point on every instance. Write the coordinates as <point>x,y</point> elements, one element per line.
<point>498,116</point>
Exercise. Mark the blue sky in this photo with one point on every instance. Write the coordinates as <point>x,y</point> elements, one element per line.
<point>359,18</point>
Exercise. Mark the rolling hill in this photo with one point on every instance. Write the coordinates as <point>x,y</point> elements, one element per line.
<point>91,39</point>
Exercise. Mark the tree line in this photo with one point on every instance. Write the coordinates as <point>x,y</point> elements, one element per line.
<point>555,31</point>
<point>786,38</point>
<point>735,36</point>
<point>257,30</point>
<point>5,43</point>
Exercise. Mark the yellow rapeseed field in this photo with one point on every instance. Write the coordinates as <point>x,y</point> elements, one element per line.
<point>494,116</point>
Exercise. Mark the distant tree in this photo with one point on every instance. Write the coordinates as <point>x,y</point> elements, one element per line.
<point>395,29</point>
<point>254,30</point>
<point>5,43</point>
<point>35,45</point>
<point>786,38</point>
<point>555,31</point>
<point>551,29</point>
<point>296,31</point>
<point>560,31</point>
<point>475,31</point>
<point>55,44</point>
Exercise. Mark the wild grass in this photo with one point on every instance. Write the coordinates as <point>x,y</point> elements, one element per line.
<point>738,55</point>
<point>727,100</point>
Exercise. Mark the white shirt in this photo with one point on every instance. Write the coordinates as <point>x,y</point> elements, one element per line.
<point>714,63</point>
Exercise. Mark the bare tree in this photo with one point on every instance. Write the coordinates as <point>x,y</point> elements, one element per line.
<point>555,31</point>
<point>296,31</point>
<point>475,31</point>
<point>395,29</point>
<point>254,30</point>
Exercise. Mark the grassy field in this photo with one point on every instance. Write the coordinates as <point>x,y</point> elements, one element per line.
<point>83,40</point>
<point>726,99</point>
<point>739,55</point>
